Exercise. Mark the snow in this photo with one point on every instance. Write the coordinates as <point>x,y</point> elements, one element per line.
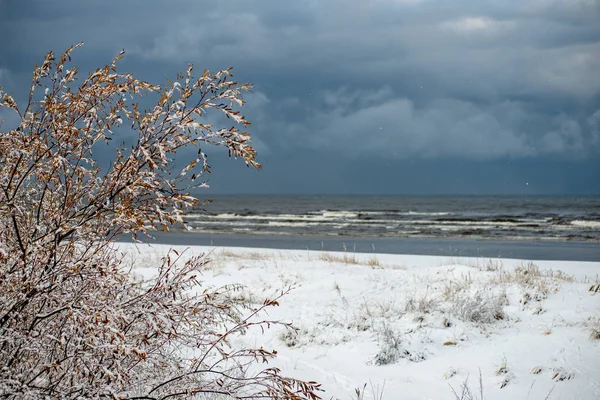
<point>417,327</point>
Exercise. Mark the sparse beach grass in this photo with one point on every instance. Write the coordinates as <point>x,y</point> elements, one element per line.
<point>351,258</point>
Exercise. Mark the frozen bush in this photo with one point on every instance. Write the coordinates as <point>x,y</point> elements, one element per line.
<point>391,349</point>
<point>479,308</point>
<point>74,324</point>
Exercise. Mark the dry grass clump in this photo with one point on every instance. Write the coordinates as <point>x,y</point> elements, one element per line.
<point>246,255</point>
<point>423,304</point>
<point>502,367</point>
<point>538,284</point>
<point>289,337</point>
<point>245,296</point>
<point>450,372</point>
<point>452,287</point>
<point>472,303</point>
<point>480,308</point>
<point>561,275</point>
<point>311,336</point>
<point>528,297</point>
<point>349,258</point>
<point>592,325</point>
<point>536,370</point>
<point>345,258</point>
<point>491,265</point>
<point>371,312</point>
<point>560,374</point>
<point>547,329</point>
<point>524,275</point>
<point>595,332</point>
<point>527,274</point>
<point>391,349</point>
<point>373,262</point>
<point>530,275</point>
<point>504,373</point>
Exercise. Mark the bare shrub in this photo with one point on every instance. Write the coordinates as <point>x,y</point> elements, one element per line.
<point>73,322</point>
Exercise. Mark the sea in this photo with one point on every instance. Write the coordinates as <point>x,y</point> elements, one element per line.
<point>533,227</point>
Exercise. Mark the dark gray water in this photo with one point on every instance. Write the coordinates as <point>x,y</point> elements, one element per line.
<point>499,218</point>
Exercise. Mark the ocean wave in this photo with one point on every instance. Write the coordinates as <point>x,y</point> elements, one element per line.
<point>400,213</point>
<point>304,224</point>
<point>586,224</point>
<point>484,220</point>
<point>339,214</point>
<point>375,224</point>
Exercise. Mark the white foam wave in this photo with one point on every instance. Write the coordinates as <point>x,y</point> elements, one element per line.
<point>403,213</point>
<point>482,224</point>
<point>586,224</point>
<point>339,214</point>
<point>424,213</point>
<point>278,221</point>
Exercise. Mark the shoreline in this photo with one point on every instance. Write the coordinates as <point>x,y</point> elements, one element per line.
<point>446,247</point>
<point>419,236</point>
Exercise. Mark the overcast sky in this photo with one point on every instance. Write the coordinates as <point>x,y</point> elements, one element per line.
<point>361,96</point>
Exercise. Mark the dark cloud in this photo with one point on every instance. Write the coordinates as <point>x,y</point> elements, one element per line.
<point>431,82</point>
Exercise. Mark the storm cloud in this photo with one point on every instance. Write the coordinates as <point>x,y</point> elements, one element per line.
<point>384,83</point>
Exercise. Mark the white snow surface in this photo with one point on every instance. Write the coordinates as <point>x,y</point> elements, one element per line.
<point>437,322</point>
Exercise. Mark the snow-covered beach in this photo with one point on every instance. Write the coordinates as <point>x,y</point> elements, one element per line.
<point>418,327</point>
